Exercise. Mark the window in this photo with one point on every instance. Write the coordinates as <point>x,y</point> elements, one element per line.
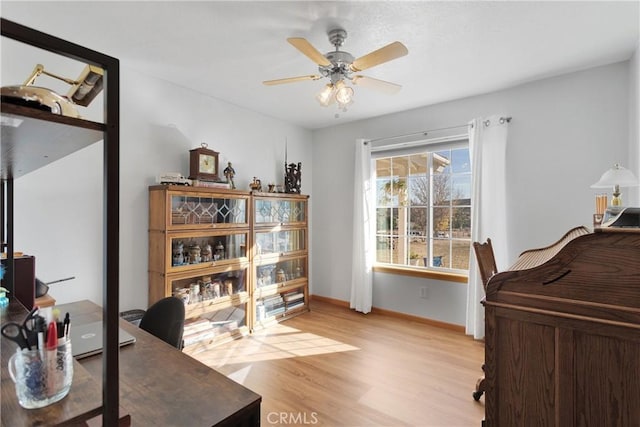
<point>423,207</point>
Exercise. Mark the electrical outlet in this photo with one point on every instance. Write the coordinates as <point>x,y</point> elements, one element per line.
<point>424,293</point>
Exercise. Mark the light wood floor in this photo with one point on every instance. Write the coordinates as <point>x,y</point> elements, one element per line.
<point>335,367</point>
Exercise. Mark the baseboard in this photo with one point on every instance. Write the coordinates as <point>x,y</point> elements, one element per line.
<point>396,314</point>
<point>333,301</point>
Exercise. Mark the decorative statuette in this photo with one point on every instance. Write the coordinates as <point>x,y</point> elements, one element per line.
<point>255,185</point>
<point>293,178</point>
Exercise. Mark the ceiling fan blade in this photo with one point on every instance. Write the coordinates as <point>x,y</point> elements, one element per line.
<point>379,85</point>
<point>311,52</point>
<point>380,56</point>
<point>291,79</point>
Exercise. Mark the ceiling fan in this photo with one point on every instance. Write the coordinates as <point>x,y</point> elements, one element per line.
<point>339,67</point>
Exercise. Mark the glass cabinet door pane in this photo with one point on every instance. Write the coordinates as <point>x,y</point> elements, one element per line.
<point>280,242</point>
<point>279,211</point>
<point>207,210</point>
<point>280,272</point>
<point>203,287</point>
<point>196,250</point>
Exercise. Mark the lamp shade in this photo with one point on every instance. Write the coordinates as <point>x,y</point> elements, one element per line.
<point>617,175</point>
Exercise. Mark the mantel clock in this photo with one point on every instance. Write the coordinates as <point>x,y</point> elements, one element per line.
<point>203,164</point>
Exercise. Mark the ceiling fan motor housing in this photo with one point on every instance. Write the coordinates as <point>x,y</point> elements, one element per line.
<point>339,68</point>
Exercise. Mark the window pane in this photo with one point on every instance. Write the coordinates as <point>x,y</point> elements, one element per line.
<point>441,162</point>
<point>460,160</point>
<point>399,170</point>
<point>383,192</point>
<point>418,164</point>
<point>418,251</point>
<point>383,249</point>
<point>440,256</point>
<point>394,221</point>
<point>383,168</point>
<point>461,186</point>
<point>419,191</point>
<point>383,220</point>
<point>460,254</point>
<point>418,221</point>
<point>441,190</point>
<point>441,222</point>
<point>461,223</point>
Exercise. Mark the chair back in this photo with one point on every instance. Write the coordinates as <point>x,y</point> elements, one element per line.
<point>165,320</point>
<point>486,261</point>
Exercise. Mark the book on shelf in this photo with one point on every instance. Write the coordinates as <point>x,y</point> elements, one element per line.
<point>274,311</point>
<point>295,305</point>
<point>195,325</point>
<point>199,336</point>
<point>225,326</point>
<point>293,296</point>
<point>211,184</point>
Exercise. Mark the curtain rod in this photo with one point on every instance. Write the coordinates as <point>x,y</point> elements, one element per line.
<point>502,120</point>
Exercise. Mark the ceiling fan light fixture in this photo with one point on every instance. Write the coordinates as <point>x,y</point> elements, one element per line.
<point>326,95</point>
<point>337,66</point>
<point>344,94</point>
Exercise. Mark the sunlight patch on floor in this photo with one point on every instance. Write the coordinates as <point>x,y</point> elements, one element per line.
<point>276,342</point>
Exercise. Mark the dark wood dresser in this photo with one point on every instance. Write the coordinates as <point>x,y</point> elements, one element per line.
<point>563,334</point>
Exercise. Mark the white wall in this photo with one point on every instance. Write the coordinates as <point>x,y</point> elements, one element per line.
<point>565,132</point>
<point>59,207</point>
<point>634,125</point>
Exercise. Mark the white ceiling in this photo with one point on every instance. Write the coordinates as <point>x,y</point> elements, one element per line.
<point>456,49</point>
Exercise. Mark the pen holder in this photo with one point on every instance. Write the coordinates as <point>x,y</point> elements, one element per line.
<point>42,377</point>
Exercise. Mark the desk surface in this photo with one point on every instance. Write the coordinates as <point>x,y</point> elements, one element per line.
<point>159,385</point>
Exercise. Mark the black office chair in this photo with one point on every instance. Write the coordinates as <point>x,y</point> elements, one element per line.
<point>165,320</point>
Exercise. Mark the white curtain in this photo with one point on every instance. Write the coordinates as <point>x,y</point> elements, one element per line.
<point>488,149</point>
<point>363,230</point>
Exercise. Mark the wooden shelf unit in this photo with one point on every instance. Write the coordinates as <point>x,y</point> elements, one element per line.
<point>202,216</point>
<point>40,138</point>
<point>280,257</point>
<point>265,239</point>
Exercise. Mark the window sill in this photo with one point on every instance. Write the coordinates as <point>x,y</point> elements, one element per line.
<point>419,272</point>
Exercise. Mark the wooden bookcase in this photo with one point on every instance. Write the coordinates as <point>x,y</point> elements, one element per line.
<point>258,258</point>
<point>199,250</point>
<point>280,259</point>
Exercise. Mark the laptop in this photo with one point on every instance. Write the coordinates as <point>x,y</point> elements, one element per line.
<point>86,340</point>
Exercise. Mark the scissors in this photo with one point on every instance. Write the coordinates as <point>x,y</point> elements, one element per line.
<point>22,334</point>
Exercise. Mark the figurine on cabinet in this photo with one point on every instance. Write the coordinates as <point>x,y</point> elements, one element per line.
<point>229,173</point>
<point>255,185</point>
<point>219,252</point>
<point>194,254</point>
<point>206,253</point>
<point>178,253</point>
<point>293,178</point>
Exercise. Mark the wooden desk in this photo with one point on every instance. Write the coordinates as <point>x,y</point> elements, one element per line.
<point>562,344</point>
<point>159,385</point>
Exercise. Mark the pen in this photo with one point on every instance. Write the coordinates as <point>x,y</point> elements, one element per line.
<point>52,336</point>
<point>67,325</point>
<point>40,327</point>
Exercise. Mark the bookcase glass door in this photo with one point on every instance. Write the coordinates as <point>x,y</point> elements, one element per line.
<point>280,242</point>
<point>279,211</point>
<point>195,209</point>
<point>280,272</point>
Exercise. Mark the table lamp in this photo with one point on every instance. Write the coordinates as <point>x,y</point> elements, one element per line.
<point>615,178</point>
